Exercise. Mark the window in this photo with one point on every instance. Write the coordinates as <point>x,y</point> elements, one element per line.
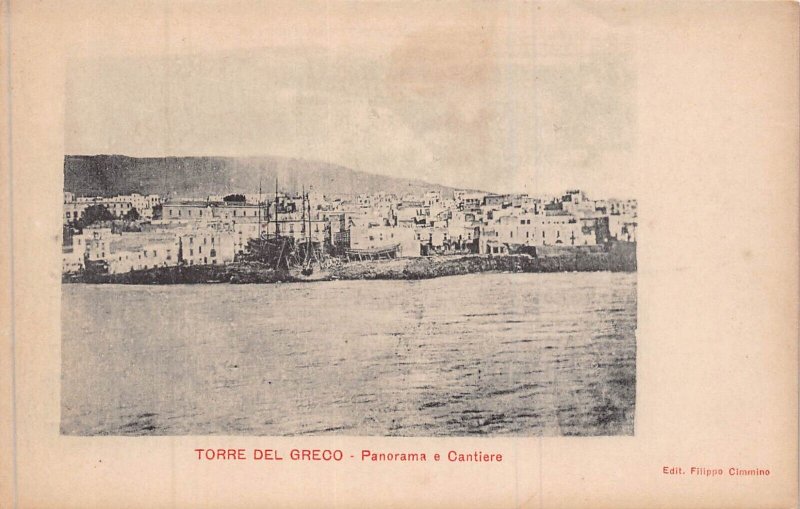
<point>191,252</point>
<point>155,253</point>
<point>200,249</point>
<point>170,212</point>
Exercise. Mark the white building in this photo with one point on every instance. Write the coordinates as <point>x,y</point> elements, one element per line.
<point>379,237</point>
<point>206,246</point>
<point>118,206</point>
<point>139,251</point>
<point>538,230</point>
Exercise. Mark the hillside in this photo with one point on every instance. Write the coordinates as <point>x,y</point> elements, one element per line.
<point>108,175</point>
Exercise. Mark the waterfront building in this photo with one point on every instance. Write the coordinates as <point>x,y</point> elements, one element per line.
<point>463,234</point>
<point>433,236</point>
<point>138,251</point>
<point>552,229</point>
<point>372,237</point>
<point>95,241</point>
<point>71,259</point>
<point>206,246</point>
<point>623,227</point>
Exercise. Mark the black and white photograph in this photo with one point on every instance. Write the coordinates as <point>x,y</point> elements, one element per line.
<point>435,236</point>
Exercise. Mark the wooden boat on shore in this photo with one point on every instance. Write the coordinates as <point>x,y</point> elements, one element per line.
<point>383,253</point>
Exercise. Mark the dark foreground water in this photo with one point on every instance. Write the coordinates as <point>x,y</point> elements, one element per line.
<point>481,354</point>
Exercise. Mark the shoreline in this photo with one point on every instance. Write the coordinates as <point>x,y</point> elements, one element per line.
<point>616,257</point>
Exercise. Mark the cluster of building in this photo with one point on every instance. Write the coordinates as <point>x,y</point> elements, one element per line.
<point>119,206</point>
<point>217,229</point>
<point>114,253</point>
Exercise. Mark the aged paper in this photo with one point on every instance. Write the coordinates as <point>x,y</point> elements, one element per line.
<point>512,254</point>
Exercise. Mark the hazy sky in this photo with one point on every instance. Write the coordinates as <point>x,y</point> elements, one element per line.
<point>500,99</point>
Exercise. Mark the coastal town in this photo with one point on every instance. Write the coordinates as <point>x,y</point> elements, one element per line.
<point>136,232</point>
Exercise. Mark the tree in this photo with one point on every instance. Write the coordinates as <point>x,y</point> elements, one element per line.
<point>132,214</point>
<point>158,211</point>
<point>95,214</point>
<point>236,198</point>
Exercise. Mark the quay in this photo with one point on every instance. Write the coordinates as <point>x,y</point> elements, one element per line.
<point>617,257</point>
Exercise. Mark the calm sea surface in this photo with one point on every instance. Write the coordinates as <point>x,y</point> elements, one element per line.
<point>481,354</point>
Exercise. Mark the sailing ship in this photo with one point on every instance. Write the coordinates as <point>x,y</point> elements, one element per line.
<point>286,252</point>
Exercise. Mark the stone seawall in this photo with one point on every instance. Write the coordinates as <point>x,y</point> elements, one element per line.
<point>618,257</point>
<point>194,274</point>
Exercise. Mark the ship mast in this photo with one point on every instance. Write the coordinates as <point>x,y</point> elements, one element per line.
<point>308,204</point>
<point>276,208</point>
<point>303,215</point>
<point>305,231</point>
<point>259,208</point>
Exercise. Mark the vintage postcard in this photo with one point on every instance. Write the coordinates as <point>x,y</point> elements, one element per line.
<point>391,254</point>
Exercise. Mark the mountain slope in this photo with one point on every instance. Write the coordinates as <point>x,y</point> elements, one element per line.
<point>108,175</point>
